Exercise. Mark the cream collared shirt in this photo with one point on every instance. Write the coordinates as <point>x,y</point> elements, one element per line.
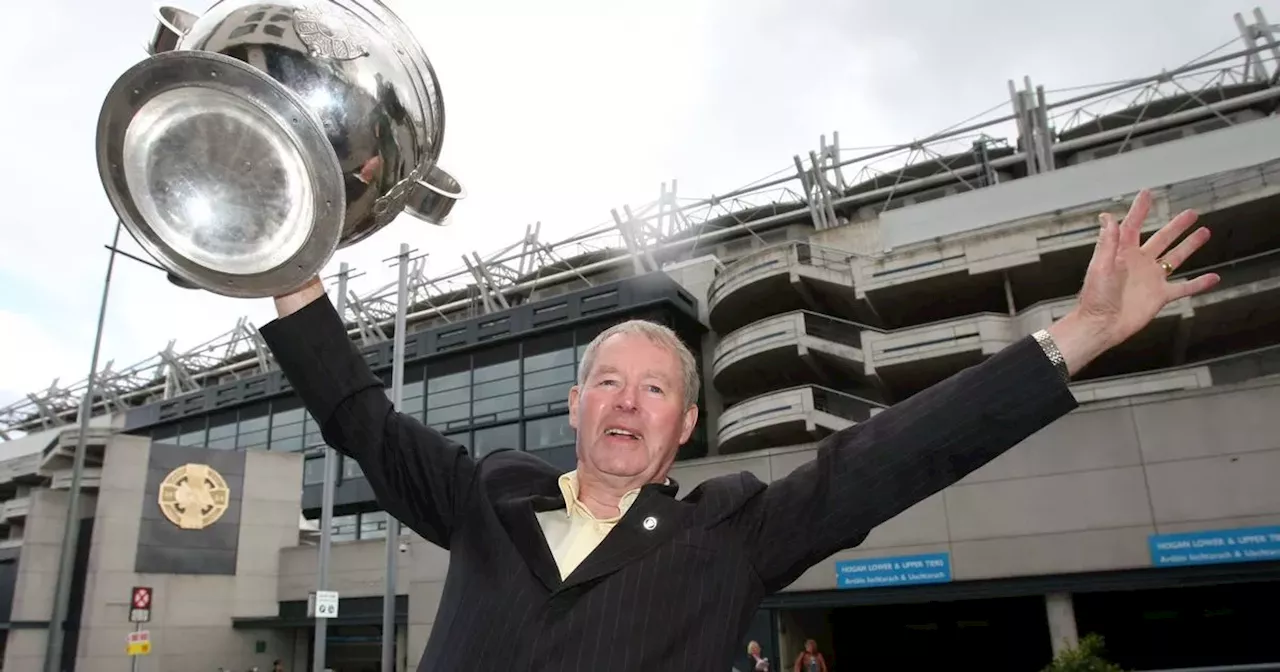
<point>574,532</point>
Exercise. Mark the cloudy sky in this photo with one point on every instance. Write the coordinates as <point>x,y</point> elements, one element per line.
<point>558,111</point>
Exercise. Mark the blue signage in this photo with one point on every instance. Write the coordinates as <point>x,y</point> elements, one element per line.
<point>903,570</point>
<point>1212,547</point>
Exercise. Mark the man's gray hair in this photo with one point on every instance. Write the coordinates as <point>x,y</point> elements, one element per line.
<point>659,335</point>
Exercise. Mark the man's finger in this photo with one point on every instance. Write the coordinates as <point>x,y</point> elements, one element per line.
<point>1104,253</point>
<point>1200,283</point>
<point>1183,251</point>
<point>1131,226</point>
<point>1162,239</point>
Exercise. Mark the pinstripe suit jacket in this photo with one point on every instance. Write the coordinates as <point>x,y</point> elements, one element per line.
<point>675,597</point>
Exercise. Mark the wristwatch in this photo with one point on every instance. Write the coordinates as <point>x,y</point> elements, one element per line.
<point>1051,351</point>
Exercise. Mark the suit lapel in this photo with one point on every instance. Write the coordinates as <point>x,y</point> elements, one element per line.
<point>654,517</point>
<point>519,517</point>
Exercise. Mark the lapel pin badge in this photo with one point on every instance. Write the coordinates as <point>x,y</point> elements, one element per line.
<point>650,523</point>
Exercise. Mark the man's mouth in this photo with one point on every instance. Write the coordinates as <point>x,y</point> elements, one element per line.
<point>624,433</point>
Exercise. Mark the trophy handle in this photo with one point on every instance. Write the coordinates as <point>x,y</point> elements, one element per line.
<point>433,197</point>
<point>171,25</point>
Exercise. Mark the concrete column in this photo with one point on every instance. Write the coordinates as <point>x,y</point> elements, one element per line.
<point>696,276</point>
<point>1062,622</point>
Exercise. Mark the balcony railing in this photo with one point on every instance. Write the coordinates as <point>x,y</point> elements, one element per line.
<point>833,329</point>
<point>797,400</point>
<point>782,331</point>
<point>16,508</point>
<point>1236,272</point>
<point>843,405</point>
<point>777,258</point>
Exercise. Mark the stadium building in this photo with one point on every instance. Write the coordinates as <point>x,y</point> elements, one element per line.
<point>1150,515</point>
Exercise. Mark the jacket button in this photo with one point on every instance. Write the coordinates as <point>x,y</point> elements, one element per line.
<point>650,523</point>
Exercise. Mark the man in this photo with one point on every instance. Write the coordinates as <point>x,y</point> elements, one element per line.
<point>604,568</point>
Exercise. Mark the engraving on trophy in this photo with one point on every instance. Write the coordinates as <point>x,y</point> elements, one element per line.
<point>389,205</point>
<point>328,35</point>
<point>194,496</point>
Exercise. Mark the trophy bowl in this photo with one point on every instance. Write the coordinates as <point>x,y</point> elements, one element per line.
<point>258,138</point>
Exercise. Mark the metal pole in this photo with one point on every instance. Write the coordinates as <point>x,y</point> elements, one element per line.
<point>326,507</point>
<point>133,662</point>
<point>66,562</point>
<point>393,525</point>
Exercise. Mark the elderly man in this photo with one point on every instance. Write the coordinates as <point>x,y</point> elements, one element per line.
<point>604,568</point>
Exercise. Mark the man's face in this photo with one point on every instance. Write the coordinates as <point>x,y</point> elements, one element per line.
<point>630,413</point>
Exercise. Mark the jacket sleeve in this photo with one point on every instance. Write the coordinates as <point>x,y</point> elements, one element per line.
<point>868,473</point>
<point>417,474</point>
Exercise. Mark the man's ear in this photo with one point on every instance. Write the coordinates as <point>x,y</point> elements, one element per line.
<point>690,421</point>
<point>574,395</point>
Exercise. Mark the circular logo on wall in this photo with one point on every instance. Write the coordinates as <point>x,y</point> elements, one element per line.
<point>194,496</point>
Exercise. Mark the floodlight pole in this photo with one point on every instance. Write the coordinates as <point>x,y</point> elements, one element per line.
<point>71,539</point>
<point>393,525</point>
<point>326,506</point>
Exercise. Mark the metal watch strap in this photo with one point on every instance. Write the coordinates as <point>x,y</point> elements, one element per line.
<point>1053,353</point>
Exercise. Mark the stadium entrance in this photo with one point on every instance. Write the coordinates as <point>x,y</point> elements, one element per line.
<point>1146,619</point>
<point>999,634</point>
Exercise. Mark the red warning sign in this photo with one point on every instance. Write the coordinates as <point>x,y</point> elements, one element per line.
<point>141,597</point>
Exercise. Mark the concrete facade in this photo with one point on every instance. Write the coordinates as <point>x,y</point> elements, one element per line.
<point>191,617</point>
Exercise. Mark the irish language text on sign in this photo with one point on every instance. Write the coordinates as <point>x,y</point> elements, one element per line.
<point>903,570</point>
<point>1251,544</point>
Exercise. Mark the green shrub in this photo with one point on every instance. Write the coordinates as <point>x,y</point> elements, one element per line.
<point>1087,657</point>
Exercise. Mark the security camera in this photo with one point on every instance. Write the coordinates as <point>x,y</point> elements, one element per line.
<point>404,547</point>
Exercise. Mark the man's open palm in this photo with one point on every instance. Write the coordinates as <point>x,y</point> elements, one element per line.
<point>1127,282</point>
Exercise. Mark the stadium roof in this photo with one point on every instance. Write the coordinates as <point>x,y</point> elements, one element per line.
<point>1047,125</point>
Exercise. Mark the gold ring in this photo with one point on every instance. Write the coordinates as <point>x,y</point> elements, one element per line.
<point>1168,267</point>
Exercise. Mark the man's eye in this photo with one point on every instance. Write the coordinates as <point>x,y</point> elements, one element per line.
<point>655,389</point>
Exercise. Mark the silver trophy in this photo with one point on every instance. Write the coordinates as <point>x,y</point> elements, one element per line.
<point>257,139</point>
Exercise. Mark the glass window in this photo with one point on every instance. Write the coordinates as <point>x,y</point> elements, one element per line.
<point>192,433</point>
<point>412,406</point>
<point>286,427</point>
<point>497,392</point>
<point>222,430</point>
<point>489,439</point>
<point>449,394</point>
<point>547,379</point>
<point>413,396</point>
<point>461,438</point>
<point>547,433</point>
<point>165,434</point>
<point>564,458</point>
<point>253,432</point>
<point>553,440</point>
<point>351,468</point>
<point>313,470</point>
<point>344,527</point>
<point>223,437</point>
<point>311,433</point>
<point>373,525</point>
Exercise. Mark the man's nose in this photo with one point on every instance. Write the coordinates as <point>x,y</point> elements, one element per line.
<point>626,398</point>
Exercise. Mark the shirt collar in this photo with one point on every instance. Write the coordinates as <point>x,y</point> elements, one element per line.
<point>569,488</point>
